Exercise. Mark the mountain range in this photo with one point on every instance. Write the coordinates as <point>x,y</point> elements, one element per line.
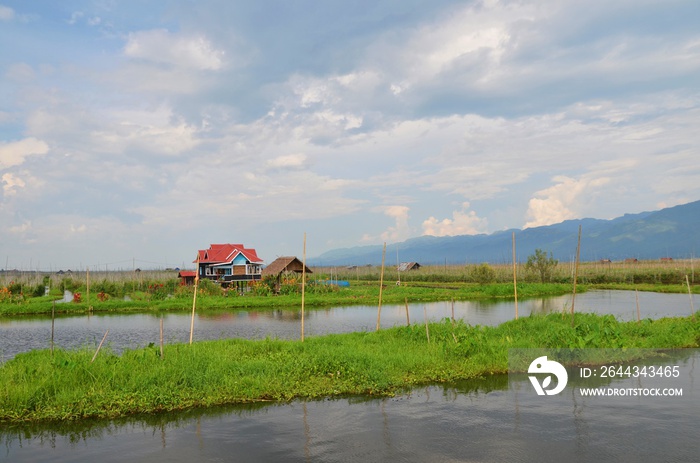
<point>671,232</point>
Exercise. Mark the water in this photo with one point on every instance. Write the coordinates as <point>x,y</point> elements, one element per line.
<point>494,420</point>
<point>20,334</point>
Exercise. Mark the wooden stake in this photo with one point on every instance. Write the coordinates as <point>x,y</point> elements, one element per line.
<point>690,294</point>
<point>161,337</point>
<point>381,285</point>
<point>303,286</point>
<point>87,277</point>
<point>453,313</point>
<point>515,282</point>
<point>194,298</point>
<point>578,256</point>
<point>53,316</point>
<point>408,320</point>
<point>99,347</point>
<point>636,295</point>
<point>427,331</point>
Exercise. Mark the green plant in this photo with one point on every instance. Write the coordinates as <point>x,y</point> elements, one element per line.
<point>482,274</point>
<point>541,264</point>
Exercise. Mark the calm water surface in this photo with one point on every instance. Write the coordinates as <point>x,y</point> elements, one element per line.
<point>496,420</point>
<point>20,334</point>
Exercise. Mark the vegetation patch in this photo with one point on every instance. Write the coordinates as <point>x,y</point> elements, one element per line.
<point>67,385</point>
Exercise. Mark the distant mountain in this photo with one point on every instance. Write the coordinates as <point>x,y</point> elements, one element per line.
<point>671,232</point>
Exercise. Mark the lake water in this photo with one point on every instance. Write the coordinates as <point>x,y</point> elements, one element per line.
<point>20,334</point>
<point>499,419</point>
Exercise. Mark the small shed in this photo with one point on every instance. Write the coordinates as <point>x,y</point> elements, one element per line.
<point>187,277</point>
<point>287,264</point>
<point>408,266</point>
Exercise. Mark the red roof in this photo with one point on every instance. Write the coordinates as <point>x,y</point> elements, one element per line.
<point>187,273</point>
<point>224,253</point>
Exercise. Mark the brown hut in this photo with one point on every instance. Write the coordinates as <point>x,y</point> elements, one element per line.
<point>288,264</point>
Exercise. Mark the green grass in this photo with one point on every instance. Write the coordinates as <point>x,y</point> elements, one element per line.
<point>357,293</point>
<point>66,386</point>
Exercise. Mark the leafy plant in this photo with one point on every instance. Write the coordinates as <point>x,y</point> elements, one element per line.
<point>541,264</point>
<point>483,274</point>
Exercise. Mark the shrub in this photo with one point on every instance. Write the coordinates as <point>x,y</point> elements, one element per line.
<point>482,274</point>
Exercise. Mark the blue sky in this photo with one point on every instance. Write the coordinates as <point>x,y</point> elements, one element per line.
<point>145,130</point>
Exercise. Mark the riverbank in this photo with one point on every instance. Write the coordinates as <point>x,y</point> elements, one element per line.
<point>356,294</point>
<point>68,386</point>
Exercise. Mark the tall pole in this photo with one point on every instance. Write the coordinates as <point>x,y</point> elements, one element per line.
<point>194,297</point>
<point>381,284</point>
<point>303,287</point>
<point>578,258</point>
<point>515,282</point>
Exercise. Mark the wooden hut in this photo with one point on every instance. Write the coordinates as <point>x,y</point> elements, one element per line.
<point>281,265</point>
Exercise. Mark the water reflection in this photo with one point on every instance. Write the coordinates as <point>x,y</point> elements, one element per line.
<point>491,420</point>
<point>24,333</point>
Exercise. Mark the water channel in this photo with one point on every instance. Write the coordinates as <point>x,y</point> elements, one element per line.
<point>20,334</point>
<point>492,420</point>
<point>499,419</point>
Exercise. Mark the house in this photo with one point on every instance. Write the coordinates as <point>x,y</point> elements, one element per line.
<point>187,277</point>
<point>408,266</point>
<point>228,263</point>
<point>281,265</point>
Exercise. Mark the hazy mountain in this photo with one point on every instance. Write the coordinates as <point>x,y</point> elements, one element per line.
<point>671,232</point>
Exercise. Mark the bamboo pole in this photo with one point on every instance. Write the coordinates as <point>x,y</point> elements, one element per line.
<point>690,294</point>
<point>408,320</point>
<point>194,298</point>
<point>453,313</point>
<point>87,277</point>
<point>53,317</point>
<point>303,287</point>
<point>578,256</point>
<point>425,317</point>
<point>161,337</point>
<point>99,347</point>
<point>381,285</point>
<point>636,295</point>
<point>515,282</point>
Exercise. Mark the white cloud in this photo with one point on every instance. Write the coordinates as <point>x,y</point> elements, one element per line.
<point>22,228</point>
<point>400,231</point>
<point>11,183</point>
<point>290,161</point>
<point>463,222</point>
<point>15,153</point>
<point>161,46</point>
<point>561,201</point>
<point>6,13</point>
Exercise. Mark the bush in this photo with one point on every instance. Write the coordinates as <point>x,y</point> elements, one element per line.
<point>542,265</point>
<point>482,274</point>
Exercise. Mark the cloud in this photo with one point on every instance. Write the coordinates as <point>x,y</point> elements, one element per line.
<point>401,230</point>
<point>287,162</point>
<point>163,47</point>
<point>11,182</point>
<point>463,222</point>
<point>15,153</point>
<point>561,201</point>
<point>6,13</point>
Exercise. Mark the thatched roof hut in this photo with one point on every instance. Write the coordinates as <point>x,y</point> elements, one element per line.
<point>282,265</point>
<point>288,264</point>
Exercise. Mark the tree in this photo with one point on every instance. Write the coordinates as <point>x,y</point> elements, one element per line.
<point>540,263</point>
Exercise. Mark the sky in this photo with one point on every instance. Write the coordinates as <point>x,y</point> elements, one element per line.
<point>135,132</point>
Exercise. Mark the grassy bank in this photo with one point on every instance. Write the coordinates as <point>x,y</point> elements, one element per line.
<point>317,296</point>
<point>67,386</point>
